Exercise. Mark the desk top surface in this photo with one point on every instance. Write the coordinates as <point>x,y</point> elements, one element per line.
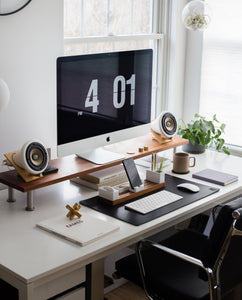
<point>29,253</point>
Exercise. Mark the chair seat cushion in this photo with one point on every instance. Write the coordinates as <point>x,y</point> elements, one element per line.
<point>166,272</point>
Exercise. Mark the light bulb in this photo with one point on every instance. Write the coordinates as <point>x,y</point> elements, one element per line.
<point>196,15</point>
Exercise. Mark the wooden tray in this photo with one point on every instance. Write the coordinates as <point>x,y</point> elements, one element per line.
<point>123,197</point>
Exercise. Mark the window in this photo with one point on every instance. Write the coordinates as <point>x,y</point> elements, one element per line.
<point>94,26</point>
<point>221,78</point>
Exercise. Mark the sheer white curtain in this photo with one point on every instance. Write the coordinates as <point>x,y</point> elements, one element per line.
<point>221,80</point>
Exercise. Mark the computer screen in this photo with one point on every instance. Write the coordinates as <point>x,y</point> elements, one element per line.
<point>102,99</point>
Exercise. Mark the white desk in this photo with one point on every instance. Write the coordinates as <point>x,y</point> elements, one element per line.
<point>40,264</point>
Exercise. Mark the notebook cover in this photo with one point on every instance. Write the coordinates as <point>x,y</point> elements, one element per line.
<point>81,231</point>
<point>216,177</point>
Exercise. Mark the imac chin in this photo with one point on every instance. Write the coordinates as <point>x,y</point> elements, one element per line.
<point>102,99</point>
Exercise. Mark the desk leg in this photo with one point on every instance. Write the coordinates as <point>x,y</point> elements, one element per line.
<point>10,194</point>
<point>26,293</point>
<point>95,280</point>
<point>30,201</point>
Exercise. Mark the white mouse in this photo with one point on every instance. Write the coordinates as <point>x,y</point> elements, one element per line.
<point>188,187</point>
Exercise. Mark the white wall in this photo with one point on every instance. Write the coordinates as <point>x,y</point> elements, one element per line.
<point>30,42</point>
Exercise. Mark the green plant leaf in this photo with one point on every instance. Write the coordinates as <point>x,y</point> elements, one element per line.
<point>207,126</point>
<point>219,144</point>
<point>226,150</point>
<point>219,132</point>
<point>190,127</point>
<point>215,118</point>
<point>192,139</point>
<point>222,127</point>
<point>159,170</point>
<point>201,139</point>
<point>208,138</point>
<point>187,135</point>
<point>212,127</point>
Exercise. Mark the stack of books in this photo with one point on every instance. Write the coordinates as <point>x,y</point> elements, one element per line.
<point>111,176</point>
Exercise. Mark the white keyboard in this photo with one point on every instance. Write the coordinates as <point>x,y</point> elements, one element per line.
<point>152,202</point>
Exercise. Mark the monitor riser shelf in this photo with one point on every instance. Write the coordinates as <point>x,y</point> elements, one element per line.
<point>72,166</point>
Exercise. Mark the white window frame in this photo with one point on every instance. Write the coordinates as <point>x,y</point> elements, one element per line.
<point>174,67</point>
<point>192,83</point>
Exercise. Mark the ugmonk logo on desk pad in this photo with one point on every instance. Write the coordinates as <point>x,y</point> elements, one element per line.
<point>134,218</point>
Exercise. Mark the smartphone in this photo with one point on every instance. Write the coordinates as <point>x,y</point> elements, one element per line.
<point>132,172</point>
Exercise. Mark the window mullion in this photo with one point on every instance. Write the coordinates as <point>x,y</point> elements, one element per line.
<point>82,18</point>
<point>161,17</point>
<point>108,15</point>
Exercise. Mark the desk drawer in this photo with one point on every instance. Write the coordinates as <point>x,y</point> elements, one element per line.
<point>59,283</point>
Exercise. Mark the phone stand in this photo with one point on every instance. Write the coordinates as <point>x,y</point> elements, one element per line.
<point>108,192</point>
<point>136,188</point>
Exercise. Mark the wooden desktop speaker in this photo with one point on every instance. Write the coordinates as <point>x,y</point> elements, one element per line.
<point>30,161</point>
<point>164,127</point>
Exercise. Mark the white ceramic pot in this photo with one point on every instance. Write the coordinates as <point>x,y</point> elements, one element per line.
<point>154,176</point>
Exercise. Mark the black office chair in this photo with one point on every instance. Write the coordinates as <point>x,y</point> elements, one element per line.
<point>190,265</point>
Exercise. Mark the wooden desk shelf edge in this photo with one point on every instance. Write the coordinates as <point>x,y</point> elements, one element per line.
<point>73,166</point>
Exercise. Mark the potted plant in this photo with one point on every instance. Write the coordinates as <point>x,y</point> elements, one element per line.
<point>157,175</point>
<point>203,134</point>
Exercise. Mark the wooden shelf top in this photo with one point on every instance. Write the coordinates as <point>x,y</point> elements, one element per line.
<point>72,166</point>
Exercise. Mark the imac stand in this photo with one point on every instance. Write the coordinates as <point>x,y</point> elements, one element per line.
<point>101,156</point>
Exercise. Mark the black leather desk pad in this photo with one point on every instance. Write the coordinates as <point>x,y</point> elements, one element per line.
<point>132,217</point>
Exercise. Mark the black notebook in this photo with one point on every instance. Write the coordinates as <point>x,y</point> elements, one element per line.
<point>216,177</point>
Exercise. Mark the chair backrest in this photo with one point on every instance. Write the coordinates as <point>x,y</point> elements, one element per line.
<point>229,276</point>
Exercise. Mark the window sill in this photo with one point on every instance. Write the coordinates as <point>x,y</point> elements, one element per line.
<point>113,38</point>
<point>235,150</point>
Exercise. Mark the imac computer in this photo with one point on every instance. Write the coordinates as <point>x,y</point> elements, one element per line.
<point>102,99</point>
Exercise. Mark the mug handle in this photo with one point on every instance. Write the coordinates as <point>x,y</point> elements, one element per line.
<point>194,161</point>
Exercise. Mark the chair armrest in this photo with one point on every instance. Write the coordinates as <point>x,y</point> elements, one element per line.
<point>176,253</point>
<point>237,215</point>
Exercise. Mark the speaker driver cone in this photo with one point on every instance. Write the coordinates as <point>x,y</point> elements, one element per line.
<point>169,124</point>
<point>36,156</point>
<point>165,125</point>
